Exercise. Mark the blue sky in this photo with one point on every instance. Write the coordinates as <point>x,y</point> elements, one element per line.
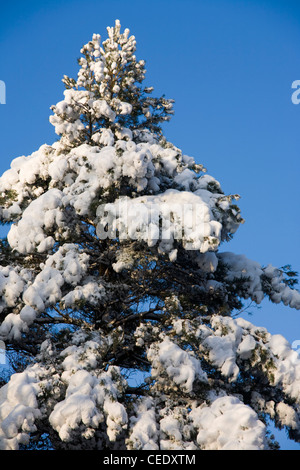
<point>228,64</point>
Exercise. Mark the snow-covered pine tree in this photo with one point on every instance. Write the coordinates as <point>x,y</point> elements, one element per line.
<point>118,309</point>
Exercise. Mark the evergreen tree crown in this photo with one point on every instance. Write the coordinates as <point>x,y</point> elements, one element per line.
<point>108,100</point>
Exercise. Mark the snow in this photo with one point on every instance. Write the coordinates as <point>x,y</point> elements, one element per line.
<point>287,415</point>
<point>12,282</point>
<point>287,370</point>
<point>240,267</point>
<point>18,410</point>
<point>172,436</point>
<point>67,265</point>
<point>12,327</point>
<point>246,346</point>
<point>104,137</point>
<point>101,108</point>
<point>228,424</point>
<point>91,292</point>
<point>78,407</point>
<point>179,365</point>
<point>29,233</point>
<point>27,315</point>
<point>144,430</point>
<point>70,261</point>
<point>163,219</point>
<point>89,399</point>
<point>176,429</point>
<point>231,340</point>
<point>207,262</point>
<point>92,398</point>
<point>46,287</point>
<point>109,178</point>
<point>88,169</point>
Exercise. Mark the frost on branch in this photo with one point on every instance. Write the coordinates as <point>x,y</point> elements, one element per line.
<point>118,305</point>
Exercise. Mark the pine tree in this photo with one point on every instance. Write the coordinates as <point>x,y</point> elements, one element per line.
<point>118,310</point>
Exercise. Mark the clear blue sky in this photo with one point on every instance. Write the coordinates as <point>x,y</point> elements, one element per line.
<point>229,65</point>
